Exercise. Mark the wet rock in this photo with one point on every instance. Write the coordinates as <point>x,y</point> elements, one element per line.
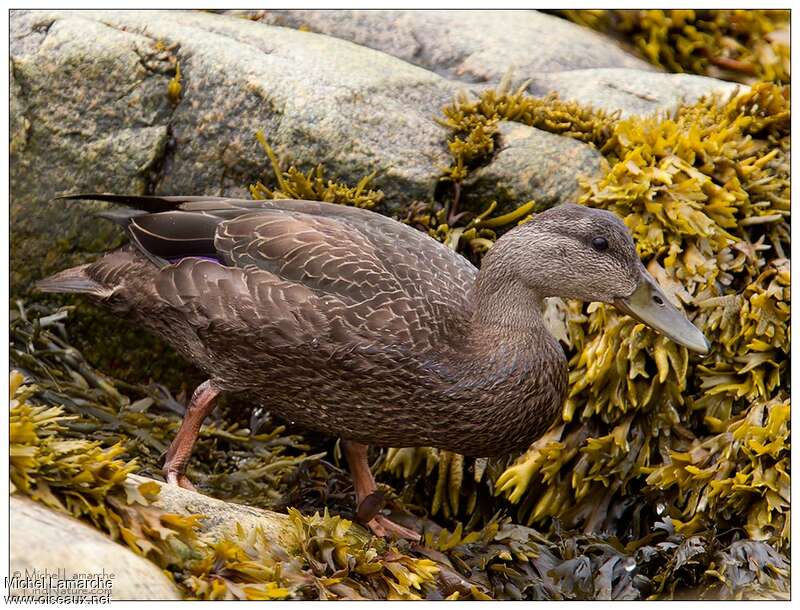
<point>529,160</point>
<point>473,46</point>
<point>42,539</point>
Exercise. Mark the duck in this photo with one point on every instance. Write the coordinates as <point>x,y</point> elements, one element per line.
<point>358,326</point>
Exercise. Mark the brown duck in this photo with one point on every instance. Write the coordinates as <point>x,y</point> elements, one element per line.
<point>361,327</point>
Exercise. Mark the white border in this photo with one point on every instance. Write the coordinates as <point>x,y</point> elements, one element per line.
<point>352,4</point>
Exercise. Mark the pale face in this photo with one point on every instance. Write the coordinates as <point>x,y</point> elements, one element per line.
<point>576,252</point>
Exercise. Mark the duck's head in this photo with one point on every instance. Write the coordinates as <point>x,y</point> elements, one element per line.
<point>575,252</point>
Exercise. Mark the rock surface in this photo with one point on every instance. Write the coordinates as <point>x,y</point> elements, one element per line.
<point>633,92</point>
<point>43,539</point>
<point>529,160</point>
<point>220,517</point>
<point>481,46</point>
<point>473,46</point>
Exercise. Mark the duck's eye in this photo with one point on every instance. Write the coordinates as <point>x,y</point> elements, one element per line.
<point>600,244</point>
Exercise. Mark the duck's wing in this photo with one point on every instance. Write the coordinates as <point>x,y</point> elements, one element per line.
<point>155,220</point>
<point>224,304</point>
<point>380,277</point>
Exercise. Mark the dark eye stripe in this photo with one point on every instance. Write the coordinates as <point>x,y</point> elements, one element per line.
<point>600,244</point>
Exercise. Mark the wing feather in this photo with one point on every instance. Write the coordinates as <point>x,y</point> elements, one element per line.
<point>222,301</point>
<point>301,267</point>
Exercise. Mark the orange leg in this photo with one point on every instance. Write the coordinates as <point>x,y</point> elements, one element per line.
<point>201,404</point>
<point>368,501</point>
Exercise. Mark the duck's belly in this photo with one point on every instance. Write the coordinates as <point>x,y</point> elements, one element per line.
<point>394,402</point>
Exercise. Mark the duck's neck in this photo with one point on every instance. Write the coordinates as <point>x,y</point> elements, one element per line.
<point>501,300</point>
<point>506,304</point>
<point>508,371</point>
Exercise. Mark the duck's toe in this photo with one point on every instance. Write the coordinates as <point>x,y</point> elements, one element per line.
<point>386,528</point>
<point>370,506</point>
<point>179,479</point>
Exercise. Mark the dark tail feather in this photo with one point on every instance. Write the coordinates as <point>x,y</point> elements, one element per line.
<point>147,203</point>
<point>73,280</point>
<point>162,228</point>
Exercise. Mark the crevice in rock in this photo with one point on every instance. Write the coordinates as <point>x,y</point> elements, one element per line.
<point>44,30</point>
<point>154,172</point>
<point>34,37</point>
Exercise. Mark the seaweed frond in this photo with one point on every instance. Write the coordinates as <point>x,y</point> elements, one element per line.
<point>467,233</point>
<point>294,184</point>
<point>83,479</point>
<point>174,87</point>
<point>742,45</point>
<point>316,557</point>
<point>473,123</point>
<point>741,472</point>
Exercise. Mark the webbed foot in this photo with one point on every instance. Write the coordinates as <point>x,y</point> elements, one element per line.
<point>370,500</point>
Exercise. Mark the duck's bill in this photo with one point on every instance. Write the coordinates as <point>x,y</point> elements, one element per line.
<point>650,305</point>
